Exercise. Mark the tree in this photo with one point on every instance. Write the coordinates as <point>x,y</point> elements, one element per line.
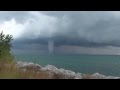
<point>5,46</point>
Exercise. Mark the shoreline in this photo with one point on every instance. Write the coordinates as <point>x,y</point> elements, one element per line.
<point>60,73</point>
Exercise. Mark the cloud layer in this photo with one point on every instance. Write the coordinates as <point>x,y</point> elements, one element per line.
<point>85,28</point>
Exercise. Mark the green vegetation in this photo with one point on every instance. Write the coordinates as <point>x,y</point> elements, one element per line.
<point>8,68</point>
<point>5,46</point>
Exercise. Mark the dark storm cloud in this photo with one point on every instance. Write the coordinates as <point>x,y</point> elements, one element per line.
<point>84,28</point>
<point>87,28</point>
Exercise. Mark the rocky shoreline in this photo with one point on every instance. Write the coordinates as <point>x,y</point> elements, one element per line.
<point>60,73</point>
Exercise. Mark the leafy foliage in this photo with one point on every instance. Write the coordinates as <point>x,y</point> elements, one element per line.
<point>5,46</point>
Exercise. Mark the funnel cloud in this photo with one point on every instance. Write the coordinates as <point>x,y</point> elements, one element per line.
<point>51,46</point>
<point>50,31</point>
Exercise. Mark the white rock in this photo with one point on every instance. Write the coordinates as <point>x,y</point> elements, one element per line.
<point>66,73</point>
<point>49,67</point>
<point>24,64</point>
<point>100,76</point>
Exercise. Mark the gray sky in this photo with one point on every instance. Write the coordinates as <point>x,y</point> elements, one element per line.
<point>71,28</point>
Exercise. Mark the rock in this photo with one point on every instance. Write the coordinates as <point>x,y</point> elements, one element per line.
<point>28,66</point>
<point>60,73</point>
<point>100,76</point>
<point>49,67</point>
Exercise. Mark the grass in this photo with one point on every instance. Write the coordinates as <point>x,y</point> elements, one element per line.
<point>10,71</point>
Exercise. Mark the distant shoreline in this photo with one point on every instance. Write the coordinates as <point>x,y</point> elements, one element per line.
<point>66,54</point>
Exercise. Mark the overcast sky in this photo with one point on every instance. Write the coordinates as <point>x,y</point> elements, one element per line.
<point>72,28</point>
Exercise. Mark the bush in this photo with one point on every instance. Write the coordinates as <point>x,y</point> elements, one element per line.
<point>5,47</point>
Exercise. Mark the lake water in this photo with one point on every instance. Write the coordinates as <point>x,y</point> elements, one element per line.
<point>88,64</point>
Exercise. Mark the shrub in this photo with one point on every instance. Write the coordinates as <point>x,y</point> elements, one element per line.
<point>5,47</point>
